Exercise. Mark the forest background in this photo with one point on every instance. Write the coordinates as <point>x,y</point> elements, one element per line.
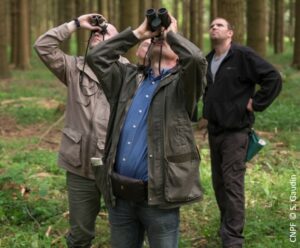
<point>33,203</point>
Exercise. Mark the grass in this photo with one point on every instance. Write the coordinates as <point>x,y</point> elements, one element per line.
<point>33,203</point>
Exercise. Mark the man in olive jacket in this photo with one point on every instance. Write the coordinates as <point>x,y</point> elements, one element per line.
<point>86,119</point>
<point>150,138</point>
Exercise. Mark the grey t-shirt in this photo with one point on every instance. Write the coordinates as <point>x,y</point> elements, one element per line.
<point>215,64</point>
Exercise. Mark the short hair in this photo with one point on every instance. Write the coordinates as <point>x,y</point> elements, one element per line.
<point>229,25</point>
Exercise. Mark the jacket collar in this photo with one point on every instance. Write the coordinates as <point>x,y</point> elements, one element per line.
<point>211,54</point>
<point>87,70</point>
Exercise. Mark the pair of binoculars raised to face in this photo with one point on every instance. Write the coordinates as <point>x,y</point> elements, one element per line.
<point>98,20</point>
<point>158,19</point>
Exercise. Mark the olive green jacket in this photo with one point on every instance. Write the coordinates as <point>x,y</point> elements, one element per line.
<point>173,158</point>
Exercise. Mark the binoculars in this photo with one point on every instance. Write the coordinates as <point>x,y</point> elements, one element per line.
<point>158,19</point>
<point>98,20</point>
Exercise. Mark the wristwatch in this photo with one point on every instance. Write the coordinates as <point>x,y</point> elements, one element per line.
<point>77,23</point>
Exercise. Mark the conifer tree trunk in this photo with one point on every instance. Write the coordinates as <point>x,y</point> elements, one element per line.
<point>13,32</point>
<point>23,54</point>
<point>4,64</point>
<point>65,14</point>
<point>213,10</point>
<point>279,26</point>
<point>234,12</point>
<point>196,20</point>
<point>200,14</point>
<point>129,14</point>
<point>271,21</point>
<point>103,8</point>
<point>186,18</point>
<point>142,10</point>
<point>291,26</point>
<point>193,21</point>
<point>156,4</point>
<point>175,9</point>
<point>256,28</point>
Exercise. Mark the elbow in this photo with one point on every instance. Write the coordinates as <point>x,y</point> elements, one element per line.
<point>36,46</point>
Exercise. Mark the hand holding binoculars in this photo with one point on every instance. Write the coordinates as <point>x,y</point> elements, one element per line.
<point>158,19</point>
<point>99,20</point>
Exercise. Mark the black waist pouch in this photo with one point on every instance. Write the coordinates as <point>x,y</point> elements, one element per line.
<point>128,188</point>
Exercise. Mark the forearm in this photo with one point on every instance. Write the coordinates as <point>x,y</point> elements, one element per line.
<point>270,89</point>
<point>50,41</point>
<point>106,53</point>
<point>193,68</point>
<point>72,26</point>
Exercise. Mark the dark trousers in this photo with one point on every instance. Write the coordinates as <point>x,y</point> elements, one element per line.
<point>228,152</point>
<point>84,206</point>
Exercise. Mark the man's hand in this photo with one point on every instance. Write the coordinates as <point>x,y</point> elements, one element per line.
<point>173,26</point>
<point>202,125</point>
<point>85,22</point>
<point>143,32</point>
<point>249,105</point>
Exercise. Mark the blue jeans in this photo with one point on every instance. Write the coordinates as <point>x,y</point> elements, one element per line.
<point>129,221</point>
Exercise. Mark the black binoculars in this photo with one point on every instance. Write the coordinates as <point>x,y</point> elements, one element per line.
<point>98,20</point>
<point>158,19</point>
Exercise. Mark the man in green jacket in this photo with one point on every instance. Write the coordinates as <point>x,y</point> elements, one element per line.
<point>151,163</point>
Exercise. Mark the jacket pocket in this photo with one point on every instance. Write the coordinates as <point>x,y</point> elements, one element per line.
<point>70,148</point>
<point>182,182</point>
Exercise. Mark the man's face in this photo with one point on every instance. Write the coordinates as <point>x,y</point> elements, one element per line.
<point>162,46</point>
<point>97,37</point>
<point>155,50</point>
<point>219,30</point>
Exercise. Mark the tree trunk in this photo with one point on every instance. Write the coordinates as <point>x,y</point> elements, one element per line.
<point>103,8</point>
<point>142,10</point>
<point>256,28</point>
<point>234,12</point>
<point>193,21</point>
<point>23,54</point>
<point>271,21</point>
<point>175,9</point>
<point>213,10</point>
<point>279,26</point>
<point>129,14</point>
<point>156,4</point>
<point>116,19</point>
<point>296,59</point>
<point>196,22</point>
<point>291,26</point>
<point>4,65</point>
<point>37,18</point>
<point>186,18</point>
<point>65,14</point>
<point>200,24</point>
<point>13,32</point>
